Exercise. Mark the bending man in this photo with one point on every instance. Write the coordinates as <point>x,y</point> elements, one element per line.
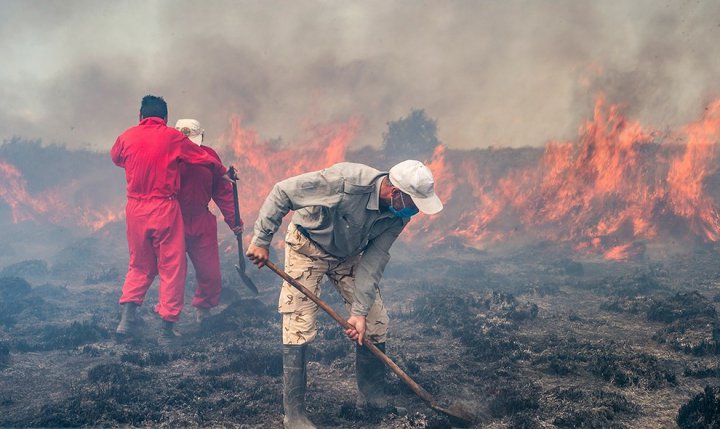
<point>346,219</point>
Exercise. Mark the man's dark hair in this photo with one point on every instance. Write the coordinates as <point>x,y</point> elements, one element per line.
<point>153,106</point>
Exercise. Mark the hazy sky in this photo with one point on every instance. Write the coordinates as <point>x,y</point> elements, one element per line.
<point>503,73</point>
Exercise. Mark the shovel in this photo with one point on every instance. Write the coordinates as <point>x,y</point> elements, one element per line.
<point>458,416</point>
<point>240,267</point>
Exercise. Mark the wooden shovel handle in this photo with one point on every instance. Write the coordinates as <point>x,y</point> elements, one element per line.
<point>422,393</point>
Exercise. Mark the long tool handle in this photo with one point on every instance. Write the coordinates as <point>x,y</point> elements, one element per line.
<point>236,203</point>
<point>241,259</point>
<point>422,393</point>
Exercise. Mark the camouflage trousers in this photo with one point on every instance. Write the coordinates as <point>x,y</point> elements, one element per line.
<point>307,263</point>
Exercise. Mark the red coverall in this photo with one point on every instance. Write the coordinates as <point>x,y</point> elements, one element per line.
<point>151,154</point>
<point>199,184</point>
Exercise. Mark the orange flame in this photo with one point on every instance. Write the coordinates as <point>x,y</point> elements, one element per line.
<point>14,193</point>
<point>260,164</point>
<point>49,206</point>
<point>609,192</point>
<point>688,174</point>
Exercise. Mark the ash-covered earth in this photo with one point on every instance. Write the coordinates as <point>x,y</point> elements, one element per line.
<point>527,339</point>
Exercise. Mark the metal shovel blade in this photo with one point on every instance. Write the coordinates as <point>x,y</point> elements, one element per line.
<point>247,280</point>
<point>240,267</point>
<point>457,414</point>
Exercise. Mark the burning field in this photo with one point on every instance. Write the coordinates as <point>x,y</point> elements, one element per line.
<point>574,286</point>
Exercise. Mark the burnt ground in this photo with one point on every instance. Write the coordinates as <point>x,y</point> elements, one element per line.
<point>528,339</point>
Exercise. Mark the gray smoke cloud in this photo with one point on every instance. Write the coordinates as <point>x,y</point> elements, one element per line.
<point>511,73</point>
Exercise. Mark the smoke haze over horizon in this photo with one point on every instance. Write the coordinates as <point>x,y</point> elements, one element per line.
<point>515,73</point>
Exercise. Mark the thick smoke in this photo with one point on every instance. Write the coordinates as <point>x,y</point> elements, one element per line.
<point>513,73</point>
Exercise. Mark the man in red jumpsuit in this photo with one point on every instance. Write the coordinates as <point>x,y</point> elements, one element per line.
<point>200,184</point>
<point>151,154</point>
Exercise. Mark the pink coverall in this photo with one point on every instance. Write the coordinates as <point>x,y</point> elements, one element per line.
<point>200,184</point>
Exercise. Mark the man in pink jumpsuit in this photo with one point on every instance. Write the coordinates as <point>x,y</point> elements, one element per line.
<point>151,154</point>
<point>200,184</point>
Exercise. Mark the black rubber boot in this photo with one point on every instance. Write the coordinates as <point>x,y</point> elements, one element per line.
<point>169,336</point>
<point>370,373</point>
<point>294,386</point>
<point>202,316</point>
<point>128,320</point>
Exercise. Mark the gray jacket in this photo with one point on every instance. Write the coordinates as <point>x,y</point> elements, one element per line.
<point>338,208</point>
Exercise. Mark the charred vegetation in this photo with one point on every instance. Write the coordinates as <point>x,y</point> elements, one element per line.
<point>521,342</point>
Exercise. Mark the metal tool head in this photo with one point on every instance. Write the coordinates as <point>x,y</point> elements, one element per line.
<point>232,173</point>
<point>458,415</point>
<point>247,280</point>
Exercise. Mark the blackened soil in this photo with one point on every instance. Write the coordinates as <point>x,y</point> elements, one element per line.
<point>517,341</point>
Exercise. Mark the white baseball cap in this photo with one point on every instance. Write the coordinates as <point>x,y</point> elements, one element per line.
<point>416,180</point>
<point>192,130</point>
